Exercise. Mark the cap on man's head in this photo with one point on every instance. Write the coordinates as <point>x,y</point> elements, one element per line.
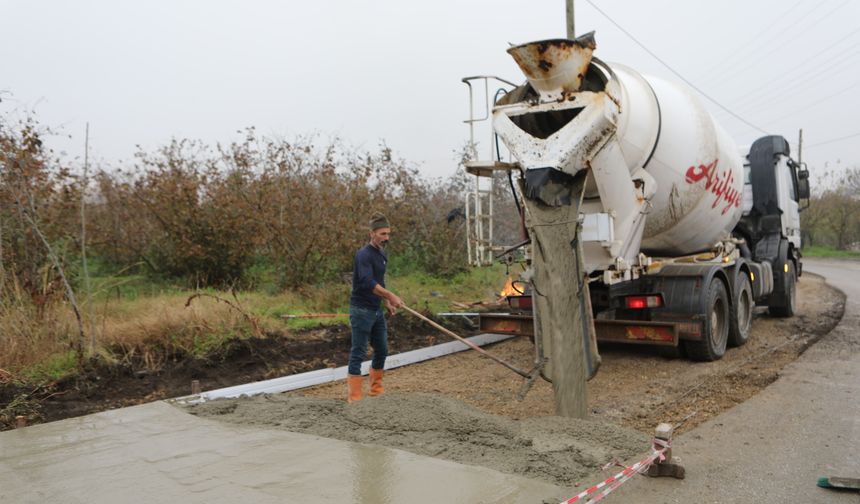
<point>377,221</point>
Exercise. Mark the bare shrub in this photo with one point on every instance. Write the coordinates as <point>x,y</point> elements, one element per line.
<point>206,213</point>
<point>38,199</point>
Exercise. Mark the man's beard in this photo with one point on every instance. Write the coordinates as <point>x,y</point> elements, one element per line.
<point>382,244</point>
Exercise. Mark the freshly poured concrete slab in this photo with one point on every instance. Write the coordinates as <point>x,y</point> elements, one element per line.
<point>158,453</point>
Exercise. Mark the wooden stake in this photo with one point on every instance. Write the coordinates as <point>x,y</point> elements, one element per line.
<point>664,432</point>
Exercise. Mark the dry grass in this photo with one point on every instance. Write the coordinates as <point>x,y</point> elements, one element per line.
<point>145,331</point>
<point>150,330</point>
<point>27,337</point>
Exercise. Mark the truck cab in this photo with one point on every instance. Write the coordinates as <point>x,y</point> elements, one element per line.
<point>770,225</point>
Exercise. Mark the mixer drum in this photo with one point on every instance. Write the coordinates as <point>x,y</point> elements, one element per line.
<point>695,163</point>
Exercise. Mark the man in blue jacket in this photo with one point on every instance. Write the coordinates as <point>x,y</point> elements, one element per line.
<point>365,310</point>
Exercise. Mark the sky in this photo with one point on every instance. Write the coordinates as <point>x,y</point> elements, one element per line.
<point>369,71</point>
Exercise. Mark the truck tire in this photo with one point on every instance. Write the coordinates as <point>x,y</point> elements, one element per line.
<point>788,294</point>
<point>715,332</point>
<point>740,319</point>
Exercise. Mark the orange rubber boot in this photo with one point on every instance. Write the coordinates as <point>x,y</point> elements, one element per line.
<point>376,383</point>
<point>354,384</point>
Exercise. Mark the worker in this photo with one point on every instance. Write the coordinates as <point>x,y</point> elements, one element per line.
<point>365,310</point>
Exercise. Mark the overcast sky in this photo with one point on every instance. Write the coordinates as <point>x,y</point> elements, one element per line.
<point>373,70</point>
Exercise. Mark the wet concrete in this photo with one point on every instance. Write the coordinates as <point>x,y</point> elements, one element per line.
<point>158,453</point>
<point>560,451</point>
<point>561,300</point>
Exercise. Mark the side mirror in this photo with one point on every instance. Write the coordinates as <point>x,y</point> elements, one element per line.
<point>803,184</point>
<point>802,188</point>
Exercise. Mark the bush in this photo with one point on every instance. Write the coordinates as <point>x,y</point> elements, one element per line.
<point>206,214</point>
<point>259,213</point>
<point>36,192</point>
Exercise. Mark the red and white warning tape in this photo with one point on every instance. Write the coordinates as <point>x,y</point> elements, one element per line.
<point>597,492</point>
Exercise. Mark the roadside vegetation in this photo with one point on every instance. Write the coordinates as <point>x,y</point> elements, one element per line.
<point>829,251</point>
<point>830,226</point>
<point>143,324</point>
<point>192,245</point>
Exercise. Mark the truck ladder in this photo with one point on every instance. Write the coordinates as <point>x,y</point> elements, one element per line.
<point>479,200</point>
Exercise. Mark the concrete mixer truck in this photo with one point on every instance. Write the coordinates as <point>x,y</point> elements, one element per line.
<point>645,223</point>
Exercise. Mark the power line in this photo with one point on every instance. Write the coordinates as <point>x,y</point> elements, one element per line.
<point>799,87</point>
<point>806,28</point>
<point>771,90</point>
<point>753,54</point>
<point>640,44</point>
<point>732,55</point>
<point>816,102</point>
<point>832,140</point>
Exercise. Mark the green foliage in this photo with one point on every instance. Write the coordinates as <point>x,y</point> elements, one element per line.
<point>111,282</point>
<point>826,251</point>
<point>262,275</point>
<point>832,219</point>
<point>54,367</point>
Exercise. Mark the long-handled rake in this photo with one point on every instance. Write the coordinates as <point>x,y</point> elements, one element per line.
<point>530,376</point>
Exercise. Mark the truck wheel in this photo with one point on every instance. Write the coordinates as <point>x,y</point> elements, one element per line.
<point>740,319</point>
<point>788,294</point>
<point>715,335</point>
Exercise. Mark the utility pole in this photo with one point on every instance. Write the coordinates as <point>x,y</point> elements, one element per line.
<point>571,33</point>
<point>84,184</point>
<point>800,147</point>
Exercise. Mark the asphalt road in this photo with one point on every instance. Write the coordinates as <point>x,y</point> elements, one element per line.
<point>773,447</point>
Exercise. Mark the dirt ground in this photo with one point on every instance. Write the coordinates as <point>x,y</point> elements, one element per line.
<point>636,387</point>
<point>104,385</point>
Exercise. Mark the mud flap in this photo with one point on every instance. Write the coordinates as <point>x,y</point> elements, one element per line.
<point>564,326</point>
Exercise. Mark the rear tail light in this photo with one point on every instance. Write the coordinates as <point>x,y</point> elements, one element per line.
<point>520,302</point>
<point>642,302</point>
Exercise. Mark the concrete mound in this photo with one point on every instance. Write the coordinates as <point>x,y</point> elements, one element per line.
<point>554,449</point>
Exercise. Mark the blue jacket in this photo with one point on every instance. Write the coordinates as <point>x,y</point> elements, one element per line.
<point>368,271</point>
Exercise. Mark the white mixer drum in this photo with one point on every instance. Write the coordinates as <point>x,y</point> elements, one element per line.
<point>618,123</point>
<point>699,173</point>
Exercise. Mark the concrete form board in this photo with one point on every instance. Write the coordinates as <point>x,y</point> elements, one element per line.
<point>320,376</point>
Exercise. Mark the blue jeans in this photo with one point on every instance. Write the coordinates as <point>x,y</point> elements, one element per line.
<point>367,325</point>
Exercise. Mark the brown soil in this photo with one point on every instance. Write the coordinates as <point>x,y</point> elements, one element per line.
<point>635,387</point>
<point>103,386</point>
